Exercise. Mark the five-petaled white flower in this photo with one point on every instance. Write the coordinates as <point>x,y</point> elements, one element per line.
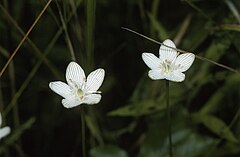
<point>5,130</point>
<point>78,89</point>
<point>170,65</point>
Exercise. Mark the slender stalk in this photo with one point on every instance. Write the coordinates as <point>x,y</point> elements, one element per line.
<point>169,119</point>
<point>67,38</point>
<point>83,132</point>
<point>36,51</point>
<point>34,70</point>
<point>31,74</point>
<point>24,38</point>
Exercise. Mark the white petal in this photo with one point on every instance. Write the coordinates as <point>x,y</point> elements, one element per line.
<point>60,88</point>
<point>69,103</point>
<point>94,80</point>
<point>184,61</point>
<point>151,60</point>
<point>156,74</point>
<point>167,54</point>
<point>75,75</point>
<point>4,131</point>
<point>176,76</point>
<point>92,99</point>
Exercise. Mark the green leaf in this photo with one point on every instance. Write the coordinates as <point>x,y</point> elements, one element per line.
<point>213,103</point>
<point>144,107</point>
<point>216,125</point>
<point>214,52</point>
<point>107,151</point>
<point>186,141</point>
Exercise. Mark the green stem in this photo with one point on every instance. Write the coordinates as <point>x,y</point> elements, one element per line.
<point>169,119</point>
<point>90,27</point>
<point>83,132</point>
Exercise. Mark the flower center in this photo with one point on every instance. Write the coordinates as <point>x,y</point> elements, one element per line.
<point>166,66</point>
<point>80,93</point>
<point>77,91</point>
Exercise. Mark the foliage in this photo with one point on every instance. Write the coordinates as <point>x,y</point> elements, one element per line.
<point>130,119</point>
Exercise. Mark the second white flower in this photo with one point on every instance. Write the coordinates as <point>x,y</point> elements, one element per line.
<point>169,65</point>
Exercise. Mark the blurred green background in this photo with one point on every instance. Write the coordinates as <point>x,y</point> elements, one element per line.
<point>130,120</point>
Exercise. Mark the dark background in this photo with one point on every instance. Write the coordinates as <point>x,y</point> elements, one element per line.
<point>131,118</point>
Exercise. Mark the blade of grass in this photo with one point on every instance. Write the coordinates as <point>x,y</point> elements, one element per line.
<point>24,38</point>
<point>11,71</point>
<point>78,31</point>
<point>92,121</point>
<point>233,8</point>
<point>35,68</point>
<point>183,51</point>
<point>183,29</point>
<point>199,10</point>
<point>4,52</point>
<point>67,38</point>
<point>90,13</point>
<point>157,27</point>
<point>31,75</point>
<point>35,48</point>
<point>234,120</point>
<point>155,7</point>
<point>230,27</point>
<point>142,14</point>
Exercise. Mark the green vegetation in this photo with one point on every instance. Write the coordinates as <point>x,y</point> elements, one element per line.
<point>131,118</point>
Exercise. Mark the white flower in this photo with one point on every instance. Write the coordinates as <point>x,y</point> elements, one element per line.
<point>169,65</point>
<point>78,89</point>
<point>5,130</point>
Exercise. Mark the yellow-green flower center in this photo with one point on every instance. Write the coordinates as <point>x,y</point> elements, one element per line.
<point>166,66</point>
<point>80,93</point>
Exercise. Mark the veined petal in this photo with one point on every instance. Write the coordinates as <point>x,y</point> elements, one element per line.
<point>60,88</point>
<point>167,54</point>
<point>92,99</point>
<point>184,61</point>
<point>94,80</point>
<point>4,131</point>
<point>151,60</point>
<point>176,76</point>
<point>75,75</point>
<point>156,74</point>
<point>69,103</point>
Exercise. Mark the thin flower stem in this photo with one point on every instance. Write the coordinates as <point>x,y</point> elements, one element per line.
<point>169,119</point>
<point>83,132</point>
